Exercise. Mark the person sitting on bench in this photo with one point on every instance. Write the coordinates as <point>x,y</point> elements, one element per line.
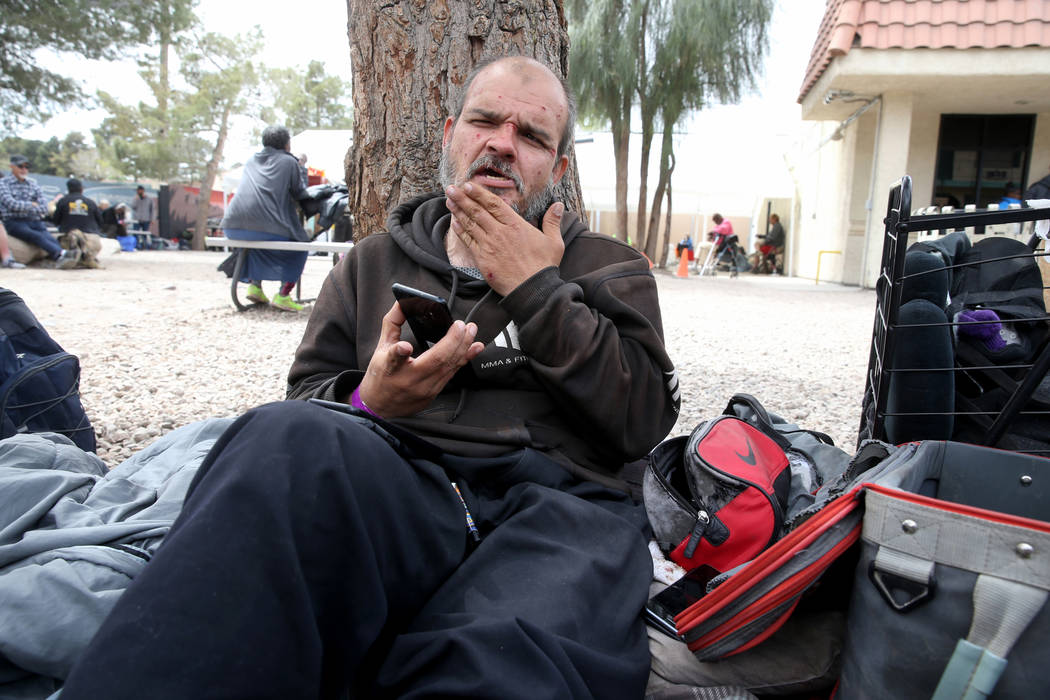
<point>264,208</point>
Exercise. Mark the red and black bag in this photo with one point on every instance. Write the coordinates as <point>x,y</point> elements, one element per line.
<point>763,503</point>
<point>724,497</point>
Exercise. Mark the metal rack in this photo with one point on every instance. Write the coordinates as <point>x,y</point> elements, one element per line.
<point>900,224</point>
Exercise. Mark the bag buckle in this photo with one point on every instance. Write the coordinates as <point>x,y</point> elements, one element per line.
<point>891,586</point>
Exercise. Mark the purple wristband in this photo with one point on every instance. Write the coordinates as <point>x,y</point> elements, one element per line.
<point>357,402</point>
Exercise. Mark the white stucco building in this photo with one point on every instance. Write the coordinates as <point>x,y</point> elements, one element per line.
<point>955,93</point>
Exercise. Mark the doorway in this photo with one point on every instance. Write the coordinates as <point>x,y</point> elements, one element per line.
<point>979,155</point>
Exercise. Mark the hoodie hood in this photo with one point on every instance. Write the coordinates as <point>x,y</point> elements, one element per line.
<point>419,226</point>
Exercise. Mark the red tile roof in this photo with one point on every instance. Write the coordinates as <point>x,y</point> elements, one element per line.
<point>931,24</point>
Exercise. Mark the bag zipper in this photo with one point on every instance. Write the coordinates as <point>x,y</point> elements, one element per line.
<point>703,518</point>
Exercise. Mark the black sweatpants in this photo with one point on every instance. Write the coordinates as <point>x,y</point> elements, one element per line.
<point>313,558</point>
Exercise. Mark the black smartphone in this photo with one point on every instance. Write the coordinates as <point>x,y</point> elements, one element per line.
<point>427,314</point>
<point>663,607</point>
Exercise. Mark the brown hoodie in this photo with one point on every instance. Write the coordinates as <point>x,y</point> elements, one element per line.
<point>573,365</point>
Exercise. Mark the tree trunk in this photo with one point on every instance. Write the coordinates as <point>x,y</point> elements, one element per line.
<point>641,234</point>
<point>665,239</point>
<point>647,114</point>
<point>164,30</point>
<point>410,59</point>
<point>621,130</point>
<point>666,166</point>
<point>204,198</point>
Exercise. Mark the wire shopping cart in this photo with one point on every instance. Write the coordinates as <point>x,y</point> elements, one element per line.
<point>924,381</point>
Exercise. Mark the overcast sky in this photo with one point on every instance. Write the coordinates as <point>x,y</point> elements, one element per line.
<point>293,38</point>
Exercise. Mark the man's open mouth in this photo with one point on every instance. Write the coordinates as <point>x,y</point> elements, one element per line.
<point>494,174</point>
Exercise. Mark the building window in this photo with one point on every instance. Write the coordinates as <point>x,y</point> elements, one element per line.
<point>978,155</point>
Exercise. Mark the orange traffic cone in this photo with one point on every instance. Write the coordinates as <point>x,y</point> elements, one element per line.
<point>683,265</point>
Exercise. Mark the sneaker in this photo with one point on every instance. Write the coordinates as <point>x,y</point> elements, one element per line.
<point>256,295</point>
<point>285,303</point>
<point>67,260</point>
<point>12,264</point>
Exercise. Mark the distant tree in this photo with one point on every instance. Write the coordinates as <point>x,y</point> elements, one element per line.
<point>144,142</point>
<point>668,58</point>
<point>39,153</point>
<point>90,164</point>
<point>409,63</point>
<point>168,19</point>
<point>221,74</point>
<point>149,140</point>
<point>64,159</point>
<point>695,61</point>
<point>83,29</point>
<point>604,75</point>
<point>308,99</point>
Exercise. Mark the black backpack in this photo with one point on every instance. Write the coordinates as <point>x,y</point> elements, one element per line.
<point>39,381</point>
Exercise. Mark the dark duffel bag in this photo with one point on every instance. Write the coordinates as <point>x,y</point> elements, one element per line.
<point>39,381</point>
<point>950,592</point>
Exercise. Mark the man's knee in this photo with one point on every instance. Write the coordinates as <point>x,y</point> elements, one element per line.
<point>304,436</point>
<point>301,421</point>
<point>299,446</point>
<point>17,229</point>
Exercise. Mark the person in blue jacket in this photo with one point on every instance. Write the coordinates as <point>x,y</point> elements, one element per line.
<point>1012,196</point>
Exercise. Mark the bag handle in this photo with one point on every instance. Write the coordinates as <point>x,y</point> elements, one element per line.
<point>748,409</point>
<point>1002,611</point>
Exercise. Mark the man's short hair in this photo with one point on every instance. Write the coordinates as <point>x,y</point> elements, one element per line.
<point>570,99</point>
<point>276,137</point>
<point>74,185</point>
<point>717,218</point>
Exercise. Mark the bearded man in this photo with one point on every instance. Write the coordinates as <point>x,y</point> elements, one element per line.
<point>453,523</point>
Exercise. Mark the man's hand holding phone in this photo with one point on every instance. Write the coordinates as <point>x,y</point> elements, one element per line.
<point>397,384</point>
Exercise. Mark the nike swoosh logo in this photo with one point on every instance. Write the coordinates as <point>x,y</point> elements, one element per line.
<point>750,456</point>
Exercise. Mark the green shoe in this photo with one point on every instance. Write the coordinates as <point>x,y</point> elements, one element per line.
<point>256,296</point>
<point>285,303</point>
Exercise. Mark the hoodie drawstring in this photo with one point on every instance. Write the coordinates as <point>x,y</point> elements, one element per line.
<point>470,315</point>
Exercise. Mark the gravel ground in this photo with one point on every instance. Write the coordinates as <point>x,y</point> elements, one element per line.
<point>161,345</point>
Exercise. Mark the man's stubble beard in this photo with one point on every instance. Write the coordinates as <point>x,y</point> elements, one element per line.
<point>531,207</point>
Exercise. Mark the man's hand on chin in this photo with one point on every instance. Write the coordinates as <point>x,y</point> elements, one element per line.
<point>507,249</point>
